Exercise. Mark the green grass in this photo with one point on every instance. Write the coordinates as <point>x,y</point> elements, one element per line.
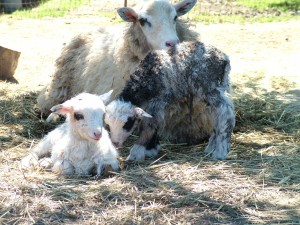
<point>115,18</point>
<point>240,19</point>
<point>252,11</point>
<point>245,11</point>
<point>51,8</point>
<point>282,5</point>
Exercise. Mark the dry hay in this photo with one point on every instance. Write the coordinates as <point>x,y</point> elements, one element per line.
<point>258,184</point>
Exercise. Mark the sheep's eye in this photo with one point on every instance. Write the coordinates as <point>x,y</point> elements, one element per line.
<point>144,21</point>
<point>107,127</point>
<point>129,124</point>
<point>175,18</point>
<point>78,116</point>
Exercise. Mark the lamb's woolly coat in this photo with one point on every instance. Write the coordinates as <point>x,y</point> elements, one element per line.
<point>192,71</point>
<point>78,145</point>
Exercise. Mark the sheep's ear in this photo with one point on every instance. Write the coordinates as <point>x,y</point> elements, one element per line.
<point>128,14</point>
<point>139,113</point>
<point>106,97</point>
<point>184,6</point>
<point>61,109</point>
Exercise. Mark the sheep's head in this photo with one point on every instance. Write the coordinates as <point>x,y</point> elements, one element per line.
<point>121,119</point>
<point>157,20</point>
<point>84,114</point>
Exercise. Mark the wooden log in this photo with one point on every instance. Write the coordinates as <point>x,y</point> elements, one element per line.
<point>8,63</point>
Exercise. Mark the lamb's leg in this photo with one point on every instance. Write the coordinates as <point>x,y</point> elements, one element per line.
<point>63,167</point>
<point>224,122</point>
<point>83,167</point>
<point>147,145</point>
<point>46,163</point>
<point>103,166</point>
<point>43,148</point>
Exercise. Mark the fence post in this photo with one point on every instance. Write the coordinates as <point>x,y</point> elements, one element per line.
<point>125,3</point>
<point>8,62</point>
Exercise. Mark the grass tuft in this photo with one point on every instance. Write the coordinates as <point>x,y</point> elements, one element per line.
<point>50,8</point>
<point>283,5</point>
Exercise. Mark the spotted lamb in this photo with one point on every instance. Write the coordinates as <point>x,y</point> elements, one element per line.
<point>189,71</point>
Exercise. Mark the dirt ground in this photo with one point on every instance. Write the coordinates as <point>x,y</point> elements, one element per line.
<point>270,47</point>
<point>255,186</point>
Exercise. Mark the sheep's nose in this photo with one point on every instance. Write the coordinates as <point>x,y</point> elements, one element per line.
<point>97,135</point>
<point>172,43</point>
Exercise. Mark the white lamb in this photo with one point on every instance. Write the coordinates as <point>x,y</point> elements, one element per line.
<point>81,143</point>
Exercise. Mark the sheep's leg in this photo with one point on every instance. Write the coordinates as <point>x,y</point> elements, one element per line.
<point>224,122</point>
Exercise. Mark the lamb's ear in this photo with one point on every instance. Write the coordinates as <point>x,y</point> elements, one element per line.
<point>106,97</point>
<point>128,14</point>
<point>184,6</point>
<point>139,113</point>
<point>61,109</point>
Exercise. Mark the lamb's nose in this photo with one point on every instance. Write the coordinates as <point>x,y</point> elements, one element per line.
<point>97,135</point>
<point>172,43</point>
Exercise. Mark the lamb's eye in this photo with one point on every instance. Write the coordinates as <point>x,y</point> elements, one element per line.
<point>144,21</point>
<point>78,116</point>
<point>175,18</point>
<point>129,124</point>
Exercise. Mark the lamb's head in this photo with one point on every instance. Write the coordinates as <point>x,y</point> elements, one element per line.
<point>121,119</point>
<point>84,114</point>
<point>157,20</point>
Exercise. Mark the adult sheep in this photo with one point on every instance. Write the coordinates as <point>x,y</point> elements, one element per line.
<point>99,61</point>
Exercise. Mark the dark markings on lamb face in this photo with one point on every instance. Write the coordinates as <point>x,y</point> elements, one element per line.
<point>107,127</point>
<point>78,116</point>
<point>154,141</point>
<point>129,124</point>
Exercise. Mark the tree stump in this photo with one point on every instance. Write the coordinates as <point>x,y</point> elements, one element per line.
<point>8,63</point>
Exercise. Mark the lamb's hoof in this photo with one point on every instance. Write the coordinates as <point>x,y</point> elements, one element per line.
<point>137,153</point>
<point>46,163</point>
<point>151,153</point>
<point>107,171</point>
<point>53,117</point>
<point>29,162</point>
